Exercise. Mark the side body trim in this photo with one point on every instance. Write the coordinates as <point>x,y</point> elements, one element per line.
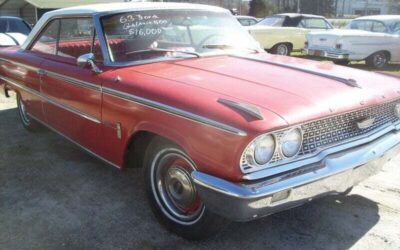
<point>112,92</point>
<point>174,111</point>
<point>50,100</point>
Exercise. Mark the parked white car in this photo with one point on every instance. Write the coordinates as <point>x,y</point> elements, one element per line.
<point>375,39</point>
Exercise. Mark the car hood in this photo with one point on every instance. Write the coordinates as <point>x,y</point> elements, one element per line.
<point>295,95</point>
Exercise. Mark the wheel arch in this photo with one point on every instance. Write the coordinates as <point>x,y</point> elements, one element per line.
<point>139,141</point>
<point>387,52</point>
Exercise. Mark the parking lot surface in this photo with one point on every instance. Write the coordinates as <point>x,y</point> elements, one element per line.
<point>55,196</point>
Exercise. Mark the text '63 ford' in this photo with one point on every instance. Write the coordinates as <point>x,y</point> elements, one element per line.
<point>223,130</point>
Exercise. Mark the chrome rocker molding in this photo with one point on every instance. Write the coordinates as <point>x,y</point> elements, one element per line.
<point>334,174</point>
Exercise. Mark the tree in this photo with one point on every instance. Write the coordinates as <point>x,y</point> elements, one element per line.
<point>260,8</point>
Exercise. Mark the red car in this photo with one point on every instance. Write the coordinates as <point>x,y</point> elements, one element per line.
<point>223,130</point>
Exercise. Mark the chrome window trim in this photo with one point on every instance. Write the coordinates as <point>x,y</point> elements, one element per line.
<point>50,100</point>
<point>174,111</point>
<point>264,173</point>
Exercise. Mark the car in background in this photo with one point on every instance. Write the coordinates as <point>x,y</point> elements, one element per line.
<point>375,39</point>
<point>283,33</point>
<point>247,20</point>
<point>13,31</point>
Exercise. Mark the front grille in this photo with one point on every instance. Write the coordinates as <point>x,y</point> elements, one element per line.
<point>336,129</point>
<point>322,133</point>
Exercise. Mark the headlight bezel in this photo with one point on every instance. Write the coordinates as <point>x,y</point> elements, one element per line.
<point>248,162</point>
<point>284,156</point>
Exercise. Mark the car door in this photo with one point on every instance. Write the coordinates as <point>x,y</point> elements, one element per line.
<point>73,94</point>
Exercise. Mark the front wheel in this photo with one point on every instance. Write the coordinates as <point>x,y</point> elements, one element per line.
<point>28,123</point>
<point>172,193</point>
<point>378,60</point>
<point>282,49</point>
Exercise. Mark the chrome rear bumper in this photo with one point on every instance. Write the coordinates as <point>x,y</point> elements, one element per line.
<point>332,175</point>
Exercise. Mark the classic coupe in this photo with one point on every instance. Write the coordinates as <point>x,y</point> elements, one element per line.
<point>375,39</point>
<point>283,33</point>
<point>223,130</point>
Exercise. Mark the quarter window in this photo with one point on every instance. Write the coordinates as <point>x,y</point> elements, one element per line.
<point>378,27</point>
<point>314,23</point>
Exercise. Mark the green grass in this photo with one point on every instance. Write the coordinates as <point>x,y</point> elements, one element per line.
<point>391,68</point>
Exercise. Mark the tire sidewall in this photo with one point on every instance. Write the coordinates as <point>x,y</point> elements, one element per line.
<point>205,226</point>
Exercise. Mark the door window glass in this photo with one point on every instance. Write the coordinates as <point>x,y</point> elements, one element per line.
<point>378,27</point>
<point>76,37</point>
<point>47,41</point>
<point>313,23</point>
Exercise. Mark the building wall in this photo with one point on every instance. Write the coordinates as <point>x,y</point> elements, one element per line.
<point>367,7</point>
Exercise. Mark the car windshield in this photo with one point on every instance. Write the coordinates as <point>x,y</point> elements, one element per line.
<point>276,21</point>
<point>162,34</point>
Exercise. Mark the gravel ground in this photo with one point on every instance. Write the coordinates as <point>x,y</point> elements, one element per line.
<point>55,196</point>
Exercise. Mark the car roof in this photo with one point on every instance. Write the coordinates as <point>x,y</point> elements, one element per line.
<point>114,8</point>
<point>11,17</point>
<point>129,6</point>
<point>294,15</point>
<point>380,17</point>
<point>250,17</point>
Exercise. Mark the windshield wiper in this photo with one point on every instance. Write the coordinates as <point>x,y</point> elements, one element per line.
<point>165,51</point>
<point>227,46</point>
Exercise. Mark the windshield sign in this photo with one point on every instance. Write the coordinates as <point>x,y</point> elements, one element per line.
<point>162,34</point>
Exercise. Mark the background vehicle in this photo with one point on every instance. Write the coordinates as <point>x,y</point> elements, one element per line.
<point>375,39</point>
<point>283,33</point>
<point>247,20</point>
<point>13,31</point>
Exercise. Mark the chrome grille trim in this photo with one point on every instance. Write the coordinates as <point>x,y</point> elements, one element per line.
<point>319,135</point>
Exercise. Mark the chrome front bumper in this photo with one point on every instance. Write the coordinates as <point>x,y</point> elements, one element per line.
<point>334,174</point>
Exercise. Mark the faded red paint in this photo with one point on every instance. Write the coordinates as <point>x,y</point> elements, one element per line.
<point>286,97</point>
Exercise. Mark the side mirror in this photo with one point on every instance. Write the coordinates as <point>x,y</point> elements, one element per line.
<point>88,60</point>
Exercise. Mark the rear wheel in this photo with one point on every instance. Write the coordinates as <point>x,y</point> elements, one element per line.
<point>28,123</point>
<point>172,193</point>
<point>282,49</point>
<point>341,62</point>
<point>378,60</point>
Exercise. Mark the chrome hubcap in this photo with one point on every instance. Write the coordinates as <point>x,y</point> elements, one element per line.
<point>180,187</point>
<point>380,60</point>
<point>22,110</point>
<point>174,189</point>
<point>282,50</point>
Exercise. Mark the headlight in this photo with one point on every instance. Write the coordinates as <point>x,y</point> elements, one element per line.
<point>291,142</point>
<point>397,110</point>
<point>264,148</point>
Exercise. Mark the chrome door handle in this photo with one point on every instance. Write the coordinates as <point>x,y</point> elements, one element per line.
<point>41,72</point>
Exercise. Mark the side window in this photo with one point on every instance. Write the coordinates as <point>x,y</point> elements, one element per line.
<point>47,41</point>
<point>313,23</point>
<point>76,37</point>
<point>361,25</point>
<point>378,27</point>
<point>396,28</point>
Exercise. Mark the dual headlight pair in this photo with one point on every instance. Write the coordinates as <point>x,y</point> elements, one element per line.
<point>262,149</point>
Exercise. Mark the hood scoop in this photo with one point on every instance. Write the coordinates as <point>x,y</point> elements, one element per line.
<point>348,82</point>
<point>248,109</point>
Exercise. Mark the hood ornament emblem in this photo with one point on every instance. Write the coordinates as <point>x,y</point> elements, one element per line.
<point>365,123</point>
